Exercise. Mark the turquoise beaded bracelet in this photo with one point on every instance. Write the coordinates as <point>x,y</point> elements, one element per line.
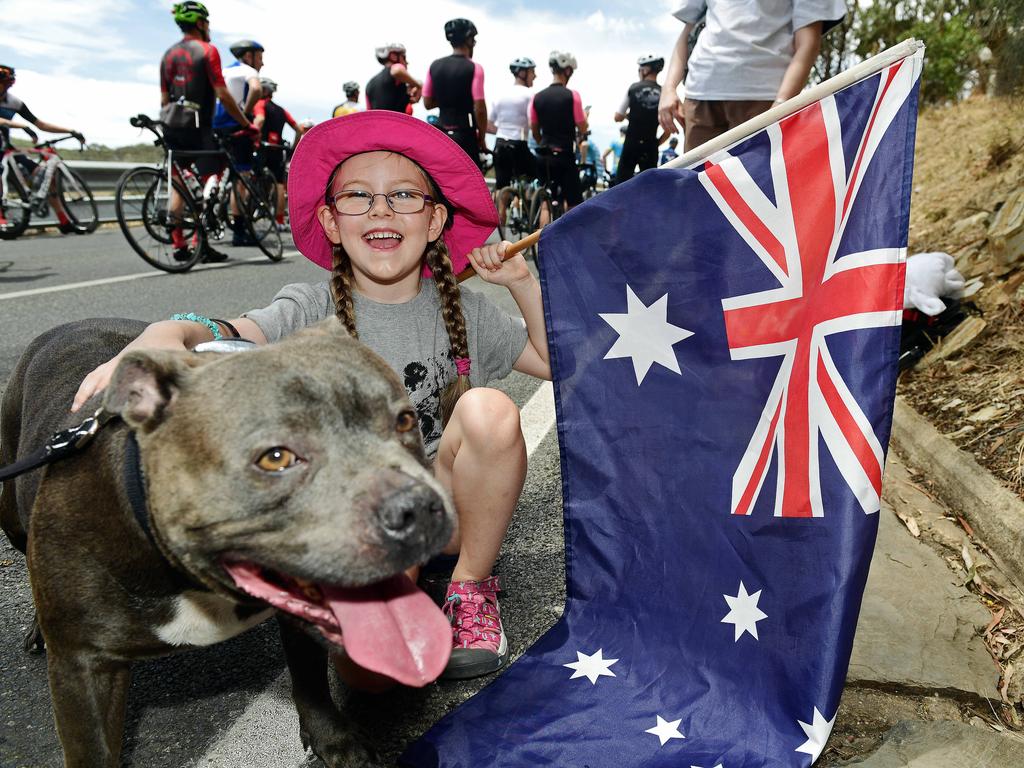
<point>193,317</point>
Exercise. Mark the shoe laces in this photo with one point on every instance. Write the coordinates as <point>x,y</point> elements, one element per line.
<point>472,610</point>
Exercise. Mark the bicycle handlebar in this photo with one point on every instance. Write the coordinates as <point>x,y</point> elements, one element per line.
<point>52,142</point>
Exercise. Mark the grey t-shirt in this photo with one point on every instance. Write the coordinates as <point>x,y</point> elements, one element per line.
<point>411,337</point>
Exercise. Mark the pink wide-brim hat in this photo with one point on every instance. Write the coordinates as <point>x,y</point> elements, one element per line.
<point>325,145</point>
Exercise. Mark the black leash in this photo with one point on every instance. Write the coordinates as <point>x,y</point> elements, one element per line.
<point>69,441</point>
<point>60,445</point>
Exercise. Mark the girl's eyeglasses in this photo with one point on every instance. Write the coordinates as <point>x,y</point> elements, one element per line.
<point>356,202</point>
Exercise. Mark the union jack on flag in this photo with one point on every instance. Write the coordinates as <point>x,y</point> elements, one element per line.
<point>797,238</point>
<point>724,343</point>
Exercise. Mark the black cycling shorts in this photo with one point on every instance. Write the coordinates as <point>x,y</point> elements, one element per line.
<point>467,139</point>
<point>273,159</point>
<point>195,139</point>
<point>240,148</point>
<point>561,168</point>
<point>511,160</point>
<point>636,152</point>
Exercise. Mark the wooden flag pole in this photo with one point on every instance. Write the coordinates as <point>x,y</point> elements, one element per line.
<point>512,250</point>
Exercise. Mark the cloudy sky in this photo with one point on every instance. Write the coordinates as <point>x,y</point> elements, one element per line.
<point>93,63</point>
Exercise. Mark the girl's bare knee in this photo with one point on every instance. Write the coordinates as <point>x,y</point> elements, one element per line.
<point>488,417</point>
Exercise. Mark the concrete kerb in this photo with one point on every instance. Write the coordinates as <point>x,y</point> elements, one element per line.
<point>995,513</point>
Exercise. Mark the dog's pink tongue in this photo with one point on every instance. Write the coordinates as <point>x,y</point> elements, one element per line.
<point>393,628</point>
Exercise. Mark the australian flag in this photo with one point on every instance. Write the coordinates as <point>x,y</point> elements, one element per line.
<point>724,342</point>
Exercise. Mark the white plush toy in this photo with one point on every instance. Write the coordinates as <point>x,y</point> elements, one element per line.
<point>931,276</point>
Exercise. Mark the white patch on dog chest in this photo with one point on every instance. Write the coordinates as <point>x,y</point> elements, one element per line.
<point>201,618</point>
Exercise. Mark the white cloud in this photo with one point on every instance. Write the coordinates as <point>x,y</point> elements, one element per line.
<point>312,48</point>
<point>98,108</point>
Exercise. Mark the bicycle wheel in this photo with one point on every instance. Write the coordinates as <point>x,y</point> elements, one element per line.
<point>261,221</point>
<point>266,185</point>
<point>540,214</point>
<point>502,202</point>
<point>15,209</point>
<point>78,202</point>
<point>141,203</point>
<point>518,217</point>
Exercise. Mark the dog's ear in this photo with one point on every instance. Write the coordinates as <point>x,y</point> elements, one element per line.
<point>145,385</point>
<point>332,326</point>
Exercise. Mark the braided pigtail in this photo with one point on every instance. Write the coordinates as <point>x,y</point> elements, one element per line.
<point>454,321</point>
<point>341,290</point>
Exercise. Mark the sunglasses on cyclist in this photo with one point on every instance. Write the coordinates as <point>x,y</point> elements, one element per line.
<point>354,202</point>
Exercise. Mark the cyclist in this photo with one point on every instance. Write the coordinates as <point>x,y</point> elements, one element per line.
<point>393,87</point>
<point>243,80</point>
<point>509,119</point>
<point>351,103</point>
<point>455,85</point>
<point>615,150</point>
<point>10,107</point>
<point>640,104</point>
<point>191,81</point>
<point>271,118</point>
<point>670,153</point>
<point>556,114</point>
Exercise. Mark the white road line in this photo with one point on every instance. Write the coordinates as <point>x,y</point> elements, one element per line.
<point>267,732</point>
<point>127,278</point>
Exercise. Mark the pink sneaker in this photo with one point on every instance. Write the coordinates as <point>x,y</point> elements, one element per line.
<point>479,646</point>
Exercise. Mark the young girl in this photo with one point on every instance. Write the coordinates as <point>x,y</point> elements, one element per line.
<point>381,199</point>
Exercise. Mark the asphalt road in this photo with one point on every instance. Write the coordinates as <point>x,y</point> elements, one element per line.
<point>186,710</point>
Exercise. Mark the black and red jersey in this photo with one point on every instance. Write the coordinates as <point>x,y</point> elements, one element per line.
<point>275,117</point>
<point>455,82</point>
<point>557,110</point>
<point>385,92</point>
<point>190,69</point>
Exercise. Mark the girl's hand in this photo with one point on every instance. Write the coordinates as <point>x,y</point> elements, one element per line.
<point>95,382</point>
<point>99,377</point>
<point>487,261</point>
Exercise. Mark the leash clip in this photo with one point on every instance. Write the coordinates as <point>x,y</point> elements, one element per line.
<point>78,437</point>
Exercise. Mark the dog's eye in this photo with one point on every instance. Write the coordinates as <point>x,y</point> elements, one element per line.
<point>406,421</point>
<point>277,460</point>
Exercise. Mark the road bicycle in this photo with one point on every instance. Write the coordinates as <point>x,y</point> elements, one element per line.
<point>143,205</point>
<point>35,179</point>
<point>513,205</point>
<point>548,202</point>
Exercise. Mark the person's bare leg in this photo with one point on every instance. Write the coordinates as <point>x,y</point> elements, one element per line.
<point>482,460</point>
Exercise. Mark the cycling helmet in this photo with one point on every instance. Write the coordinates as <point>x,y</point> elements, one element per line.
<point>523,62</point>
<point>190,12</point>
<point>350,88</point>
<point>656,63</point>
<point>386,50</point>
<point>561,60</point>
<point>6,73</point>
<point>459,30</point>
<point>268,85</point>
<point>242,47</point>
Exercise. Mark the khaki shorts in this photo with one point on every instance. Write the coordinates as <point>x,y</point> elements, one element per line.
<point>707,119</point>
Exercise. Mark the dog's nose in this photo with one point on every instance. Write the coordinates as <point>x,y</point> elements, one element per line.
<point>407,510</point>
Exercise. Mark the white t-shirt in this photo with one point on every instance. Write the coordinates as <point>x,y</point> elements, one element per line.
<point>510,113</point>
<point>744,50</point>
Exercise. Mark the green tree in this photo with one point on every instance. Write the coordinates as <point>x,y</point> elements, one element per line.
<point>946,27</point>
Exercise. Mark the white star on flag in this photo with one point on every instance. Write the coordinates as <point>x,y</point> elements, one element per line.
<point>645,335</point>
<point>697,766</point>
<point>744,613</point>
<point>591,667</point>
<point>666,730</point>
<point>817,734</point>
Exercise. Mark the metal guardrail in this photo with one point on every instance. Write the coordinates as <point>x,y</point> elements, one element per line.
<point>102,178</point>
